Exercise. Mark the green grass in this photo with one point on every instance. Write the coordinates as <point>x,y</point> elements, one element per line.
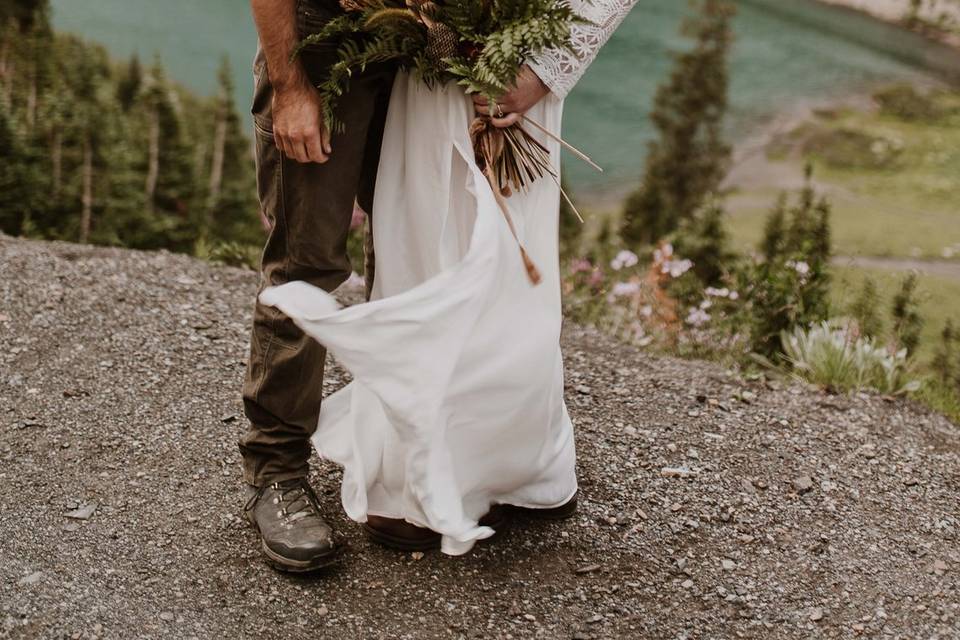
<point>939,300</point>
<point>909,207</point>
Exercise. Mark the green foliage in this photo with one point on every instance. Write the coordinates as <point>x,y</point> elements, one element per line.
<point>865,309</point>
<point>946,361</point>
<point>130,83</point>
<point>114,154</point>
<point>942,389</point>
<point>907,322</point>
<point>22,181</point>
<point>789,286</point>
<point>832,355</point>
<point>941,397</point>
<point>689,158</point>
<point>570,227</point>
<point>848,148</point>
<point>905,102</point>
<point>703,239</point>
<point>232,254</point>
<point>478,44</point>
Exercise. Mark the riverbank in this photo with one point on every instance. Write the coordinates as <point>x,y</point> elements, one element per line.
<point>939,20</point>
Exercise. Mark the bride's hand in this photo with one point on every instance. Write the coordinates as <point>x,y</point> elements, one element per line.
<point>511,106</point>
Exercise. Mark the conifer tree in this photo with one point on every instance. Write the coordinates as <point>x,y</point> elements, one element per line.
<point>113,154</point>
<point>865,310</point>
<point>945,361</point>
<point>130,83</point>
<point>790,287</point>
<point>774,230</point>
<point>231,197</point>
<point>689,158</point>
<point>907,322</point>
<point>703,239</point>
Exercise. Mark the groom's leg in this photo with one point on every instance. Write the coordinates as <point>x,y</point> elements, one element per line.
<point>310,207</point>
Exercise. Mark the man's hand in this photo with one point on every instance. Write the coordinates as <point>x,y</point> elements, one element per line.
<point>511,106</point>
<point>297,127</point>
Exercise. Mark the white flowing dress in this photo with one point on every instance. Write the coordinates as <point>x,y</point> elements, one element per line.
<point>457,401</point>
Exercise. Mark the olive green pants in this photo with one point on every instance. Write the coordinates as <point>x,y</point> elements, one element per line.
<point>310,207</point>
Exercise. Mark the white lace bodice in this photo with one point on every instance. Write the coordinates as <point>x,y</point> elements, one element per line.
<point>559,69</point>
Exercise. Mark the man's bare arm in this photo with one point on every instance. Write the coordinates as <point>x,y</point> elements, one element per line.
<point>297,127</point>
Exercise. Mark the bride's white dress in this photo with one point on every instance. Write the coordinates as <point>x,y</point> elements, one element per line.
<point>457,398</point>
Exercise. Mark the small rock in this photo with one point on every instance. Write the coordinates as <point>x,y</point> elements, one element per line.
<point>529,617</point>
<point>803,484</point>
<point>84,512</point>
<point>687,584</point>
<point>582,389</point>
<point>588,568</point>
<point>227,419</point>
<point>676,472</point>
<point>728,565</point>
<point>939,567</point>
<point>417,555</point>
<point>868,451</point>
<point>816,614</point>
<point>33,578</point>
<point>166,616</point>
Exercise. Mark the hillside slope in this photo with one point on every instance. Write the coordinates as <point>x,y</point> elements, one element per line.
<point>804,515</point>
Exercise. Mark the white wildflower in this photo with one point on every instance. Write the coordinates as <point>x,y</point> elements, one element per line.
<point>663,253</point>
<point>697,317</point>
<point>676,268</point>
<point>799,266</point>
<point>622,289</point>
<point>624,259</point>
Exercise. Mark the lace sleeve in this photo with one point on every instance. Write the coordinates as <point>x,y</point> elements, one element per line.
<point>560,69</point>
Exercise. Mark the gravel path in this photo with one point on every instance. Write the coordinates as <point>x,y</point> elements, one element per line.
<point>943,268</point>
<point>791,513</point>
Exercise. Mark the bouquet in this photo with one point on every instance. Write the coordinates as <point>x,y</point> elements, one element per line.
<point>479,44</point>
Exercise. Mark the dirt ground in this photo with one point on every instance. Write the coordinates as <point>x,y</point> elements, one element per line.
<point>788,513</point>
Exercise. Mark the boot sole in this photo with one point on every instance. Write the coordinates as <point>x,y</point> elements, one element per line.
<point>563,512</point>
<point>289,565</point>
<point>399,543</point>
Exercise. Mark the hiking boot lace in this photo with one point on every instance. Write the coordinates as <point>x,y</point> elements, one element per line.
<point>295,501</point>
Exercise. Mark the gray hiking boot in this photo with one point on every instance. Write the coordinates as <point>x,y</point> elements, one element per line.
<point>294,536</point>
